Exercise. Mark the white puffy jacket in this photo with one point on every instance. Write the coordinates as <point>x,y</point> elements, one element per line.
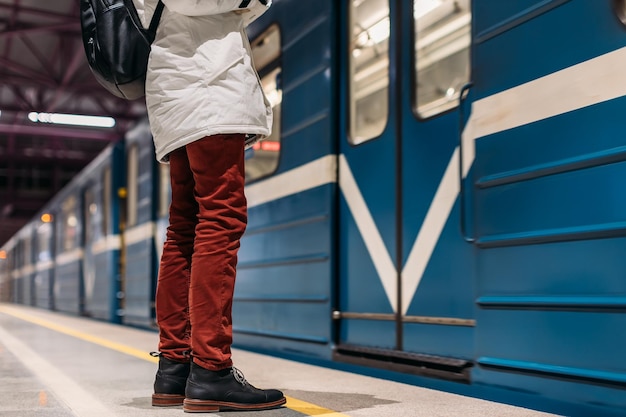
<point>201,80</point>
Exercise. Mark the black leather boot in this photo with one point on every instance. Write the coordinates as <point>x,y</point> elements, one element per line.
<point>169,384</point>
<point>212,391</point>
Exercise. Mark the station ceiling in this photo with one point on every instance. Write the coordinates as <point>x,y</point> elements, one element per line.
<point>43,69</point>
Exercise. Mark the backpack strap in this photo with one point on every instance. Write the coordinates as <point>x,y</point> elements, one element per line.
<point>156,17</point>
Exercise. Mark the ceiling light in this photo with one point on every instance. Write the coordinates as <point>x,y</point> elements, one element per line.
<point>379,31</point>
<point>423,7</point>
<point>72,119</point>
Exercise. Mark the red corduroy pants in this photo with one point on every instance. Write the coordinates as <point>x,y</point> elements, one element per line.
<point>208,216</point>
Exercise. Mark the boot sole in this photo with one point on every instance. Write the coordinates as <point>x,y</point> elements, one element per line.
<point>208,406</point>
<point>167,400</point>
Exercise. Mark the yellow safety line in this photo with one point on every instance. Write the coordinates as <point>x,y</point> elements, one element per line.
<point>141,354</point>
<point>311,409</point>
<point>303,407</point>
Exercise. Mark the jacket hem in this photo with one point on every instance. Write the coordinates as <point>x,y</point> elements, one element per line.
<point>163,152</point>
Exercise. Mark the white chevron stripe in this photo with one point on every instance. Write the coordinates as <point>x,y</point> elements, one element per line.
<point>369,232</point>
<point>430,232</point>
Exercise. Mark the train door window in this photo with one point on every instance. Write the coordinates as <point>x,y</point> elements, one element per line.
<point>26,250</point>
<point>262,158</point>
<point>106,200</point>
<point>18,255</point>
<point>90,210</point>
<point>69,226</point>
<point>164,190</point>
<point>442,60</point>
<point>132,169</point>
<point>44,244</point>
<point>369,69</point>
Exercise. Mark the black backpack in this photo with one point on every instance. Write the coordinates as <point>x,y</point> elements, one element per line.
<point>117,45</point>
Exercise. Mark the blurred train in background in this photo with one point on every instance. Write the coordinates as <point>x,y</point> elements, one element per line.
<point>442,198</point>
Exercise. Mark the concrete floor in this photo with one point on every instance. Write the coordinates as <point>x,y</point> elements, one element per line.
<point>54,365</point>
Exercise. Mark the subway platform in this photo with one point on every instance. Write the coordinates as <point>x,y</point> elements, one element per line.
<point>55,365</point>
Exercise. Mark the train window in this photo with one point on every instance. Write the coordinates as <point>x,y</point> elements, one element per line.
<point>106,200</point>
<point>132,170</point>
<point>266,48</point>
<point>70,228</point>
<point>44,244</point>
<point>442,61</point>
<point>164,190</point>
<point>18,254</point>
<point>90,209</point>
<point>369,69</point>
<point>262,158</point>
<point>26,249</point>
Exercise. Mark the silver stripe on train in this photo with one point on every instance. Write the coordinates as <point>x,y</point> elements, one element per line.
<point>139,233</point>
<point>69,256</point>
<point>105,244</point>
<point>319,172</point>
<point>590,82</point>
<point>44,265</point>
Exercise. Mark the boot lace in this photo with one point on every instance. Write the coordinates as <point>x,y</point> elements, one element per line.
<point>239,376</point>
<point>186,354</point>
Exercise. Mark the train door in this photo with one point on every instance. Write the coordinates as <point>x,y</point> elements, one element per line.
<point>99,262</point>
<point>89,266</point>
<point>139,251</point>
<point>43,261</point>
<point>68,279</point>
<point>405,281</point>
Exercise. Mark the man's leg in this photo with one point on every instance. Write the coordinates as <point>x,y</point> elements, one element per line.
<point>217,163</point>
<point>172,296</point>
<point>218,168</point>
